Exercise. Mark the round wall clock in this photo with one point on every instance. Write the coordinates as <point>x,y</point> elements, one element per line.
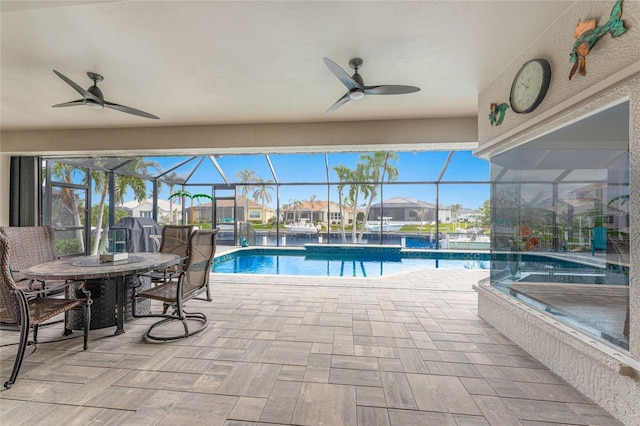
<point>530,86</point>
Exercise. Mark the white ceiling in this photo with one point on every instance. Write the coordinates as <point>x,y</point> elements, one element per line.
<point>211,62</point>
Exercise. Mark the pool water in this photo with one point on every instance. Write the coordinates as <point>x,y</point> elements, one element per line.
<point>331,265</point>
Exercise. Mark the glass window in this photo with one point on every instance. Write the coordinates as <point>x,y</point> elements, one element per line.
<point>560,224</point>
<point>68,173</point>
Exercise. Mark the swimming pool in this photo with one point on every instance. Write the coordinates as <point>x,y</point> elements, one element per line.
<point>343,262</point>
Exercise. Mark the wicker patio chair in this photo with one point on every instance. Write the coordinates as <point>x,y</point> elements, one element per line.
<point>30,245</point>
<point>191,281</point>
<point>27,314</point>
<point>175,239</point>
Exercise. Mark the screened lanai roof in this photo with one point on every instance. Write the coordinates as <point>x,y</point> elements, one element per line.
<point>213,169</point>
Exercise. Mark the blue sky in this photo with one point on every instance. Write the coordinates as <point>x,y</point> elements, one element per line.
<point>296,168</point>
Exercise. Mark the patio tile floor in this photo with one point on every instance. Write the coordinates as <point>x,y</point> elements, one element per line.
<point>406,349</point>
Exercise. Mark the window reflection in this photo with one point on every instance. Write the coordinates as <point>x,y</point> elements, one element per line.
<point>560,224</point>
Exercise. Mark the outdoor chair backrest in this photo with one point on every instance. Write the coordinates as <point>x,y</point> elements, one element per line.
<point>201,249</point>
<point>600,238</point>
<point>9,306</point>
<point>30,245</point>
<point>175,239</point>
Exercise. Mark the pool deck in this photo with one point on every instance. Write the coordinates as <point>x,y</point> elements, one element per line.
<point>406,349</point>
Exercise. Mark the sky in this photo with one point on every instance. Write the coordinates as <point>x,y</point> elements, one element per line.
<point>310,168</point>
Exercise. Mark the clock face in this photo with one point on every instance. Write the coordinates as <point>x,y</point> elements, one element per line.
<point>530,86</point>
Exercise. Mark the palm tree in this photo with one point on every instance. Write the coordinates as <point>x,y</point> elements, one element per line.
<point>285,208</point>
<point>100,180</point>
<point>344,175</point>
<point>378,168</point>
<point>246,176</point>
<point>262,194</point>
<point>454,209</point>
<point>360,174</point>
<point>172,177</point>
<point>420,215</point>
<point>123,183</point>
<point>297,204</point>
<point>312,204</point>
<point>64,173</point>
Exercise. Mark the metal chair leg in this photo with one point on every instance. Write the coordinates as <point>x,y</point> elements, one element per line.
<point>87,325</point>
<point>22,346</point>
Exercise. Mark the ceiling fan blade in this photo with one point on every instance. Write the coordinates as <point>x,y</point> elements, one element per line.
<point>72,103</point>
<point>342,75</point>
<point>83,92</point>
<point>343,100</point>
<point>389,89</point>
<point>129,110</point>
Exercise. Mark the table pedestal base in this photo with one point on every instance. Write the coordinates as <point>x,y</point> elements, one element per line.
<point>105,307</point>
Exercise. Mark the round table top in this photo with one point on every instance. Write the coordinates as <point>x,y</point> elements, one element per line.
<point>64,269</point>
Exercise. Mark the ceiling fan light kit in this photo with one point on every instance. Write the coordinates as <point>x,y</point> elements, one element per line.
<point>94,98</point>
<point>356,89</point>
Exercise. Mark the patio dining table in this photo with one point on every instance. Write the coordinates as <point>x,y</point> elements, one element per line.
<point>85,268</point>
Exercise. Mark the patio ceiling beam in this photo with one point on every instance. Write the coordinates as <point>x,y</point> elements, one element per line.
<point>218,168</point>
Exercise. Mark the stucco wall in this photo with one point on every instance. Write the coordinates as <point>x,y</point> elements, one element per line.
<point>588,366</point>
<point>608,57</point>
<point>264,138</point>
<point>613,76</point>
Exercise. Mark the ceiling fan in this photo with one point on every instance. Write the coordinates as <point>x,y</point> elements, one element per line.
<point>356,87</point>
<point>94,98</point>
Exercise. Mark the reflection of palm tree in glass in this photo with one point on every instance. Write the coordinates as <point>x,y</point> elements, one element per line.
<point>262,194</point>
<point>246,176</point>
